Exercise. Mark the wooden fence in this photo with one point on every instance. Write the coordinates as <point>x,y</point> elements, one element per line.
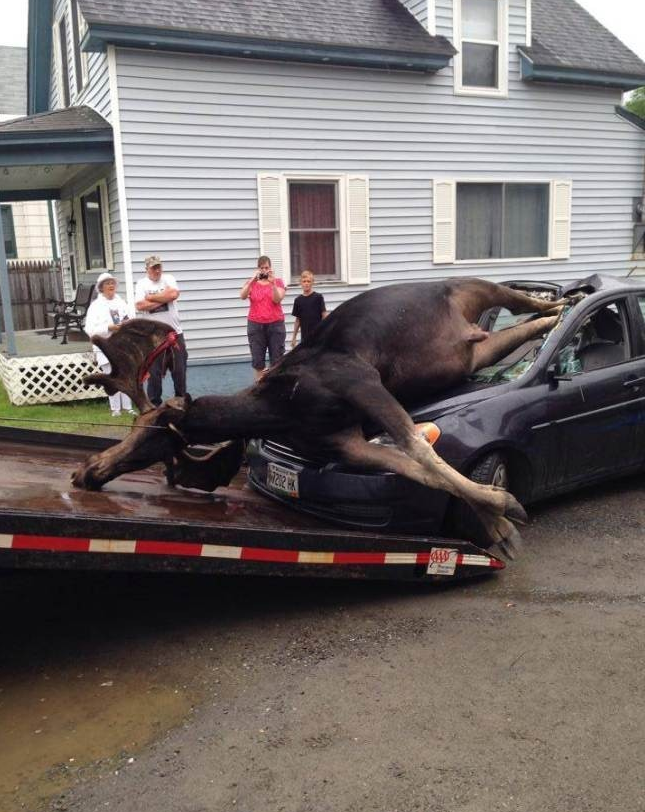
<point>34,284</point>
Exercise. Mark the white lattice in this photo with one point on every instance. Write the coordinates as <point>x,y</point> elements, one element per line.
<point>48,378</point>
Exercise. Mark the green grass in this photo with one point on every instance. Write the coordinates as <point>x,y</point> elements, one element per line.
<point>76,417</point>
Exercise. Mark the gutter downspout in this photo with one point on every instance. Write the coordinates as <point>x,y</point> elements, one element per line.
<point>5,293</point>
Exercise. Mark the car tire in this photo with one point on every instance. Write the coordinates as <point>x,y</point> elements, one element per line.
<point>462,522</point>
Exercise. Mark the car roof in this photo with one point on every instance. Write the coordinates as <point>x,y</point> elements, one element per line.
<point>596,283</point>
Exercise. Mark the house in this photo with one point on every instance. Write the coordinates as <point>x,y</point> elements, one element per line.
<point>375,141</point>
<point>28,226</point>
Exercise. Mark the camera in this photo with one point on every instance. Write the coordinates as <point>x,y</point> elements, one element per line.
<point>263,275</point>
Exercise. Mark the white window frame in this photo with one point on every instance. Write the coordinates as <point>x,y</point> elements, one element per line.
<point>83,56</point>
<point>79,237</point>
<point>353,224</point>
<point>445,220</point>
<point>500,92</point>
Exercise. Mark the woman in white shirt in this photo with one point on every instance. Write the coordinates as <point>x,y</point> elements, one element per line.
<point>104,316</point>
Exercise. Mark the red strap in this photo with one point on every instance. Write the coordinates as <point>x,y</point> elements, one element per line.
<point>170,342</point>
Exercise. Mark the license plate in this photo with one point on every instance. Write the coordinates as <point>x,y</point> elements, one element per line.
<point>282,480</point>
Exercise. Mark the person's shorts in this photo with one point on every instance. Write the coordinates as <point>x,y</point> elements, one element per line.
<point>263,337</point>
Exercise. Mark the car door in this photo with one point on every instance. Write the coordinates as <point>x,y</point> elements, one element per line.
<point>597,400</point>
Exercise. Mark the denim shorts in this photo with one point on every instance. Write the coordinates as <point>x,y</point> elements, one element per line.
<point>263,337</point>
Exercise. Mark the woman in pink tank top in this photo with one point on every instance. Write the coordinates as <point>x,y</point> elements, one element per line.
<point>265,326</point>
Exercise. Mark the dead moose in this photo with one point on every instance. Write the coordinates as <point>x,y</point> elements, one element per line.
<point>375,355</point>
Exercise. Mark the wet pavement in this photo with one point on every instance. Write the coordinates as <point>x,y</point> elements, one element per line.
<point>521,691</point>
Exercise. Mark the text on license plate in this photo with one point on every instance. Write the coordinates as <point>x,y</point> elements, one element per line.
<point>283,480</point>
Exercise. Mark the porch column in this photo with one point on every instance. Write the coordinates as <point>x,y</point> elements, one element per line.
<point>5,293</point>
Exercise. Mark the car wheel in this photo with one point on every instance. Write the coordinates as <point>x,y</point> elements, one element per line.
<point>462,522</point>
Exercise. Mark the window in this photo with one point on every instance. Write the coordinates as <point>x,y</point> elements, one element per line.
<point>481,28</point>
<point>484,221</point>
<point>63,66</point>
<point>502,220</point>
<point>315,222</point>
<point>9,233</point>
<point>80,58</point>
<point>599,342</point>
<point>92,240</point>
<point>314,238</point>
<point>93,229</point>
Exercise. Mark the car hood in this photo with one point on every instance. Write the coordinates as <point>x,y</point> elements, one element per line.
<point>459,398</point>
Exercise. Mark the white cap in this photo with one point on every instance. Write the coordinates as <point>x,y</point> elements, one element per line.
<point>103,278</point>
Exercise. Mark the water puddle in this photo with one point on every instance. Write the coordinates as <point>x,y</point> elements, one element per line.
<point>55,728</point>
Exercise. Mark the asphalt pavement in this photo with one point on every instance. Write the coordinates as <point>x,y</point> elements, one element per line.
<point>521,691</point>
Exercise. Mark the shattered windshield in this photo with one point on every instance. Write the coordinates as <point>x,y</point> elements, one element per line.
<point>518,362</point>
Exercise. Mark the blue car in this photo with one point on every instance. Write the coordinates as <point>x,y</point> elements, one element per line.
<point>559,413</point>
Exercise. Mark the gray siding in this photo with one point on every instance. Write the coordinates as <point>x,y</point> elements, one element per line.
<point>197,130</point>
<point>96,92</point>
<point>419,8</point>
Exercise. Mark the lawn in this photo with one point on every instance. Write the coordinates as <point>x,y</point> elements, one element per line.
<point>76,417</point>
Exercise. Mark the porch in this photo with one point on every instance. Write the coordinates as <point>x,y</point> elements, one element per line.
<point>43,370</point>
<point>39,157</point>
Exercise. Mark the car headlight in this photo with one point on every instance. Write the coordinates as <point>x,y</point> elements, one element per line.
<point>430,431</point>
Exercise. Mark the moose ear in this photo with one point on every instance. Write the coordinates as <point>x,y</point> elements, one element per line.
<point>172,411</point>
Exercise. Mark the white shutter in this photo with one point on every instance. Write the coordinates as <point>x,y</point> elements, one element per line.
<point>444,207</point>
<point>105,217</point>
<point>79,242</point>
<point>273,223</point>
<point>358,230</point>
<point>560,219</point>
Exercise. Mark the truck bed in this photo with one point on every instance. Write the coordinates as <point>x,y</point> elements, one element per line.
<point>138,522</point>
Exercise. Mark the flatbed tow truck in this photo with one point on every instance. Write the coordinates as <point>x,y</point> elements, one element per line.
<point>138,522</point>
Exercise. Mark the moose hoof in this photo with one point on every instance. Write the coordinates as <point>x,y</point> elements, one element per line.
<point>514,511</point>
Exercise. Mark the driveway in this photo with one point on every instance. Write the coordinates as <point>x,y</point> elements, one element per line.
<point>522,691</point>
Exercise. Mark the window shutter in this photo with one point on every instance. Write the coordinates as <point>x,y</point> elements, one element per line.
<point>358,230</point>
<point>560,219</point>
<point>444,221</point>
<point>105,220</point>
<point>273,222</point>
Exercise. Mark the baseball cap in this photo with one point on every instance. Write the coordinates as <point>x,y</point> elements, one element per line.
<point>103,278</point>
<point>152,260</point>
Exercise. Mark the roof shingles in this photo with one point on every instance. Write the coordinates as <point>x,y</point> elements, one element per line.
<point>565,35</point>
<point>379,24</point>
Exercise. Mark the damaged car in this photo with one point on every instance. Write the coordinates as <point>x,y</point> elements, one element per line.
<point>559,413</point>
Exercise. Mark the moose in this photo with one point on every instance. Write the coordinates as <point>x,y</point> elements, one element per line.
<point>374,356</point>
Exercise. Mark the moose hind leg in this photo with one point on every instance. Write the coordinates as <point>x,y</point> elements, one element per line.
<point>496,508</point>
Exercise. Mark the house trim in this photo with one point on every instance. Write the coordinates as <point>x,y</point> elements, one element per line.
<point>120,174</point>
<point>432,18</point>
<point>637,121</point>
<point>39,54</point>
<point>99,37</point>
<point>530,72</point>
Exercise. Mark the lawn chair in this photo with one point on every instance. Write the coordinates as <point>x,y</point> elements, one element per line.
<point>72,312</point>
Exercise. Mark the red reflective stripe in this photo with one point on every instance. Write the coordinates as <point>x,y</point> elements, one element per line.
<point>258,554</point>
<point>423,558</point>
<point>168,548</point>
<point>62,543</point>
<point>359,558</point>
<point>495,564</point>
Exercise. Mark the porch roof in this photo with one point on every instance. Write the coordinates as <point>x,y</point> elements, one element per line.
<point>39,154</point>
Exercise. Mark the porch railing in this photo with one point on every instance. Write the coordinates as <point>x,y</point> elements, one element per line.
<point>34,284</point>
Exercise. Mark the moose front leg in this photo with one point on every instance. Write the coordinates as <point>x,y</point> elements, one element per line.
<point>496,508</point>
<point>499,345</point>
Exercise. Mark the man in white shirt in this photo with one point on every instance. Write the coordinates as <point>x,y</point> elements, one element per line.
<point>155,298</point>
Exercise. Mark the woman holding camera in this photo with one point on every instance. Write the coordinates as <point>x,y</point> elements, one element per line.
<point>265,326</point>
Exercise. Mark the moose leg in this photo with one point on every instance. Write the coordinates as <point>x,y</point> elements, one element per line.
<point>499,345</point>
<point>495,507</point>
<point>355,450</point>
